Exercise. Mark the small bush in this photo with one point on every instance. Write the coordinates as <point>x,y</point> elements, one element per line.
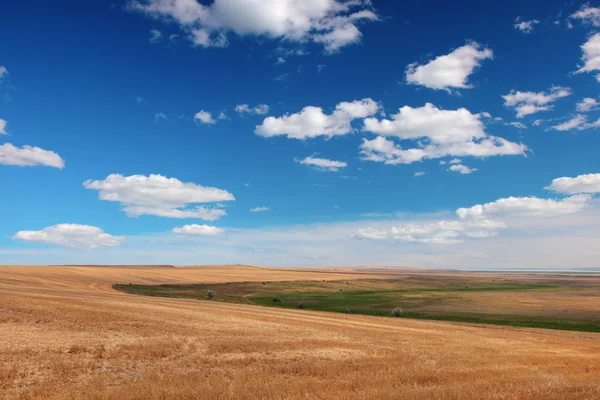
<point>301,305</point>
<point>264,283</point>
<point>276,300</point>
<point>211,294</point>
<point>346,311</point>
<point>397,312</point>
<point>341,290</point>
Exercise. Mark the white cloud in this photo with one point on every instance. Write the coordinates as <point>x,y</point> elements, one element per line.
<point>455,161</point>
<point>279,61</point>
<point>441,232</point>
<point>526,103</point>
<point>419,173</point>
<point>537,122</point>
<point>222,116</point>
<point>588,15</point>
<point>160,116</point>
<point>155,36</point>
<point>587,104</point>
<point>463,169</point>
<point>71,235</point>
<point>198,230</point>
<point>323,163</point>
<point>259,209</point>
<point>205,117</point>
<point>589,183</point>
<point>29,156</point>
<point>591,56</point>
<point>3,71</point>
<point>446,132</point>
<point>526,207</point>
<point>330,22</point>
<point>3,127</point>
<point>259,109</point>
<point>526,26</point>
<point>451,70</point>
<point>577,122</point>
<point>311,121</point>
<point>518,125</point>
<point>160,196</point>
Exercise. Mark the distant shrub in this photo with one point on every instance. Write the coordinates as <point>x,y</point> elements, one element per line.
<point>300,305</point>
<point>276,300</point>
<point>341,290</point>
<point>397,312</point>
<point>211,294</point>
<point>264,283</point>
<point>346,311</point>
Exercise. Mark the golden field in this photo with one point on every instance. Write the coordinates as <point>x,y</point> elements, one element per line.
<point>66,334</point>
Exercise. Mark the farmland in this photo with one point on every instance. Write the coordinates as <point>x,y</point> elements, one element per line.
<point>66,333</point>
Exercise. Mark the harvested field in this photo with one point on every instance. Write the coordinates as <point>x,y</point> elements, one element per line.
<point>66,334</point>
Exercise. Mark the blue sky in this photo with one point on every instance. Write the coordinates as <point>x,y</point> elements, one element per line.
<point>289,132</point>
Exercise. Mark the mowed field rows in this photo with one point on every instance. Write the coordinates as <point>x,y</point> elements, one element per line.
<point>66,334</point>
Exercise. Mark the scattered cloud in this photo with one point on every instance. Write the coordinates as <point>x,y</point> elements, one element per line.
<point>455,133</point>
<point>462,169</point>
<point>160,196</point>
<point>587,104</point>
<point>160,116</point>
<point>259,109</point>
<point>311,121</point>
<point>331,23</point>
<point>518,125</point>
<point>537,122</point>
<point>450,71</point>
<point>526,103</point>
<point>71,235</point>
<point>3,72</point>
<point>222,116</point>
<point>323,163</point>
<point>28,156</point>
<point>282,77</point>
<point>591,56</point>
<point>577,122</point>
<point>588,15</point>
<point>155,36</point>
<point>441,232</point>
<point>588,183</point>
<point>3,127</point>
<point>198,230</point>
<point>526,26</point>
<point>526,207</point>
<point>320,68</point>
<point>419,173</point>
<point>205,117</point>
<point>279,61</point>
<point>259,209</point>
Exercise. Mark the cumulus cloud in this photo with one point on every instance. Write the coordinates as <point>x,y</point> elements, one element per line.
<point>591,56</point>
<point>3,127</point>
<point>205,117</point>
<point>160,116</point>
<point>3,71</point>
<point>588,183</point>
<point>588,15</point>
<point>259,109</point>
<point>198,230</point>
<point>419,173</point>
<point>441,232</point>
<point>587,104</point>
<point>332,23</point>
<point>526,207</point>
<point>518,125</point>
<point>450,71</point>
<point>526,26</point>
<point>577,122</point>
<point>311,121</point>
<point>155,36</point>
<point>526,103</point>
<point>323,163</point>
<point>462,169</point>
<point>446,133</point>
<point>71,235</point>
<point>28,156</point>
<point>160,196</point>
<point>259,209</point>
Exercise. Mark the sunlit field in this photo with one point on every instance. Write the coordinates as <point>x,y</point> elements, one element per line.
<point>66,333</point>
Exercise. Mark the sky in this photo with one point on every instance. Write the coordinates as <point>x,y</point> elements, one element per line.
<point>300,133</point>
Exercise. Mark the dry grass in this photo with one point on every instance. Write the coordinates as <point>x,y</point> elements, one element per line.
<point>65,334</point>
